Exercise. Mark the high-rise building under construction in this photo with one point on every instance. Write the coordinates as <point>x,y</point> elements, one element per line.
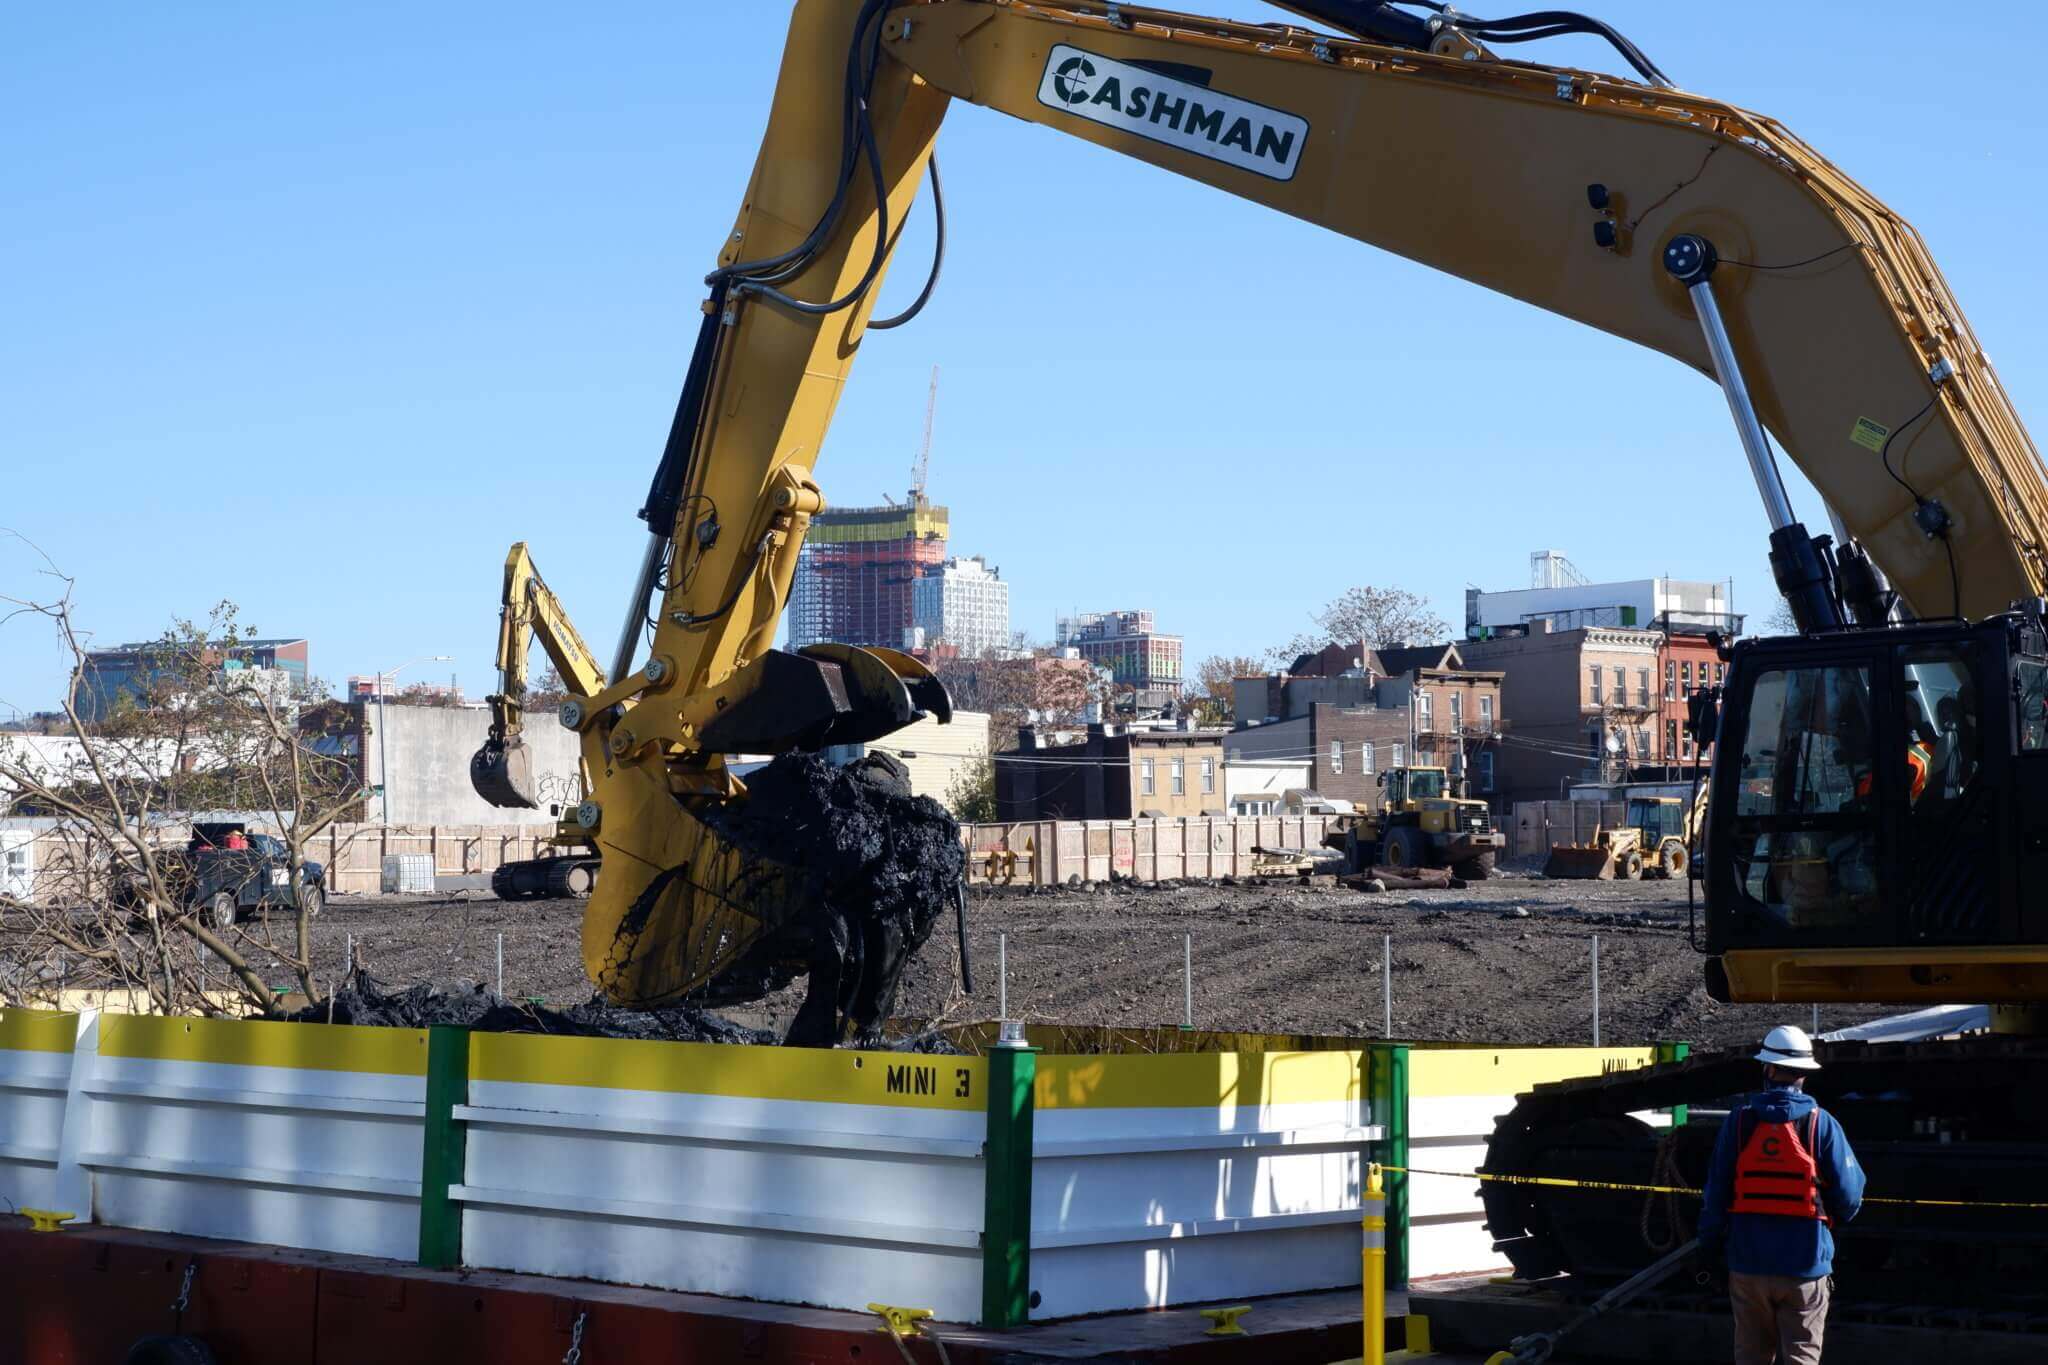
<point>855,574</point>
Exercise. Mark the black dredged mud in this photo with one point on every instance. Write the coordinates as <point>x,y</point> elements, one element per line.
<point>363,999</point>
<point>876,867</point>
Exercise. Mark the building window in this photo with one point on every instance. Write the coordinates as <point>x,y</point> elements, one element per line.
<point>1720,673</point>
<point>1399,756</point>
<point>1485,764</point>
<point>1208,775</point>
<point>1670,680</point>
<point>1643,742</point>
<point>1686,674</point>
<point>1670,740</point>
<point>1457,712</point>
<point>1486,713</point>
<point>1336,755</point>
<point>1620,686</point>
<point>1642,687</point>
<point>1596,684</point>
<point>1144,777</point>
<point>1421,709</point>
<point>1593,742</point>
<point>1365,756</point>
<point>1177,771</point>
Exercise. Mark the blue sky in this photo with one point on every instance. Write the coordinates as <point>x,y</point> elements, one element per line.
<point>317,309</point>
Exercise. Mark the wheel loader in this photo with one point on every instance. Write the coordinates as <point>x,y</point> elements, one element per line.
<point>1656,841</point>
<point>1418,822</point>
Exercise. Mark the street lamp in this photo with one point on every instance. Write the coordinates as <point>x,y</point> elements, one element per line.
<point>383,771</point>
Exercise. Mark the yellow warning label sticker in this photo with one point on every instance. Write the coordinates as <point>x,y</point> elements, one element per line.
<point>1868,434</point>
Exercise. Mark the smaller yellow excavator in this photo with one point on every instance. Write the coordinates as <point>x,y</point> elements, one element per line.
<point>502,770</point>
<point>1419,823</point>
<point>1656,840</point>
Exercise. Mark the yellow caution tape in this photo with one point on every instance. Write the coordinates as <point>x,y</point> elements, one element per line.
<point>1559,1182</point>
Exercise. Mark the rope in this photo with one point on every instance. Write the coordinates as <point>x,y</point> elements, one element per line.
<point>1559,1182</point>
<point>1666,1169</point>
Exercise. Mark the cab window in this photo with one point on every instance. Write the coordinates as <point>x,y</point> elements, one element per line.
<point>1805,832</point>
<point>1425,786</point>
<point>2033,699</point>
<point>1947,831</point>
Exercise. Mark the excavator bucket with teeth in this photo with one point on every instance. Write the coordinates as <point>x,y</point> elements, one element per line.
<point>502,773</point>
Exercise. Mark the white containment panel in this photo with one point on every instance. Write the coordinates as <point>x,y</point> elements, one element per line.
<point>35,1072</point>
<point>1192,1177</point>
<point>831,1177</point>
<point>1455,1095</point>
<point>301,1135</point>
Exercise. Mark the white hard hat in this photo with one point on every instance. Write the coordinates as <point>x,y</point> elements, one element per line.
<point>1788,1046</point>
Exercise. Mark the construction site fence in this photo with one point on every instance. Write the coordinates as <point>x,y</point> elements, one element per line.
<point>352,854</point>
<point>1058,852</point>
<point>1540,824</point>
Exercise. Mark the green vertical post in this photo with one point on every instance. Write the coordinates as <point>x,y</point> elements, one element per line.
<point>1675,1052</point>
<point>1006,1200</point>
<point>442,1151</point>
<point>1390,1110</point>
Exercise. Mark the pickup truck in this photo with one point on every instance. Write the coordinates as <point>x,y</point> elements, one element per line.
<point>233,870</point>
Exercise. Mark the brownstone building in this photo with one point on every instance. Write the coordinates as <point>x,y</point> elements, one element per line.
<point>1585,704</point>
<point>1354,712</point>
<point>1113,773</point>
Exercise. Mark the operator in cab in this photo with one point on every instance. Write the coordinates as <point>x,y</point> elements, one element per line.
<point>1782,1175</point>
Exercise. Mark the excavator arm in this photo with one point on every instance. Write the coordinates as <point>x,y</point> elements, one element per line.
<point>502,771</point>
<point>1680,223</point>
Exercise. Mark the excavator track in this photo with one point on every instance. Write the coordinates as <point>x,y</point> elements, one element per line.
<point>1955,1126</point>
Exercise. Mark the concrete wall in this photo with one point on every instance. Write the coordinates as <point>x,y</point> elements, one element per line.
<point>428,748</point>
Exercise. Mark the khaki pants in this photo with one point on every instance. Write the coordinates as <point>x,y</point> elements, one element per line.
<point>1778,1318</point>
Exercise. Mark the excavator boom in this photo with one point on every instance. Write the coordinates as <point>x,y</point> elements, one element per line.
<point>1681,223</point>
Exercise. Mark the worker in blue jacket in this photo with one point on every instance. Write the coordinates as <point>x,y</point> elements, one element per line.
<point>1782,1175</point>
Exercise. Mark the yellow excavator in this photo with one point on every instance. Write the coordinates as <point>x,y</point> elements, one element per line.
<point>1878,823</point>
<point>502,770</point>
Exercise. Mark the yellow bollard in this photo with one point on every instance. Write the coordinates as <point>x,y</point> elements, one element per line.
<point>1375,1266</point>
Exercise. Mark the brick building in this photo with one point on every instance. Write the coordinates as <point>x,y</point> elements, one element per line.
<point>1584,703</point>
<point>1124,642</point>
<point>1689,663</point>
<point>1357,712</point>
<point>1113,773</point>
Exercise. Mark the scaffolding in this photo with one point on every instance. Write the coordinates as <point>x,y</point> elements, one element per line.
<point>855,574</point>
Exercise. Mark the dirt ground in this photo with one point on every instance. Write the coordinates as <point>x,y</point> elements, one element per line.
<point>1507,960</point>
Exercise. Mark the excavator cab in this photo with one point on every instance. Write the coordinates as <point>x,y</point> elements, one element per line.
<point>1879,811</point>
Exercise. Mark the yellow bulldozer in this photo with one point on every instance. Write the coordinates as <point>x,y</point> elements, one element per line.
<point>1656,840</point>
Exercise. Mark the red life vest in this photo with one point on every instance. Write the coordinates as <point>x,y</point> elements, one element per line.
<point>1775,1172</point>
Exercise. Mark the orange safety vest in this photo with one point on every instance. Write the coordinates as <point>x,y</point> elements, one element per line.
<point>1918,761</point>
<point>1775,1172</point>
